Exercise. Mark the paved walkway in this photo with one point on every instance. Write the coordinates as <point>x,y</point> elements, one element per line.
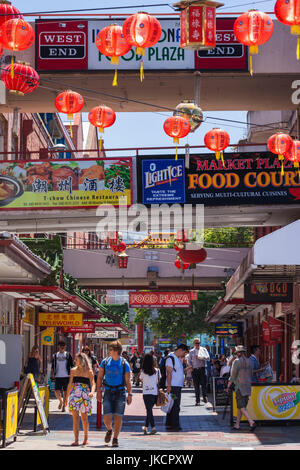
<point>202,429</point>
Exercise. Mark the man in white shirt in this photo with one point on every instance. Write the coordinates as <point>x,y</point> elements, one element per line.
<point>197,359</point>
<point>62,362</point>
<point>175,382</point>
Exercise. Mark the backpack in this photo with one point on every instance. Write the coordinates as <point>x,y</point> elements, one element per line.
<point>114,386</point>
<point>173,361</point>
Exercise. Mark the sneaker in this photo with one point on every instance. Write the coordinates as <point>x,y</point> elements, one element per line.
<point>145,430</point>
<point>205,400</point>
<point>108,436</point>
<point>197,404</point>
<point>153,431</point>
<point>115,442</point>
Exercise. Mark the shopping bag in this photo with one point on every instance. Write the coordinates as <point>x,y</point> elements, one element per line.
<point>161,398</point>
<point>169,404</point>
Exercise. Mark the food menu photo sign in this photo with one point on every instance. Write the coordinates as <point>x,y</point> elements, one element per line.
<point>64,184</point>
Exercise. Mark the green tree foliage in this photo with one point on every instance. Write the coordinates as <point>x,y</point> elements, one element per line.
<point>229,237</point>
<point>181,322</point>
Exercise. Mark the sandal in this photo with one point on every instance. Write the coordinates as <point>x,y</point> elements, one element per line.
<point>253,427</point>
<point>235,429</point>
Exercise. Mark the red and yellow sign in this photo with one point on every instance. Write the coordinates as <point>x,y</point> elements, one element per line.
<point>159,299</point>
<point>273,402</point>
<point>60,319</point>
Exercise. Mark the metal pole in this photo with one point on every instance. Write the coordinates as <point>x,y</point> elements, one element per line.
<point>197,85</point>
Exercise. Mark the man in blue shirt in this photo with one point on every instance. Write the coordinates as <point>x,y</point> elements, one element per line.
<point>114,374</point>
<point>254,358</point>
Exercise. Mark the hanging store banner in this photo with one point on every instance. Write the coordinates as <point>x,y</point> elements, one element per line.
<point>159,299</point>
<point>266,292</point>
<point>273,403</point>
<point>47,337</point>
<point>61,45</point>
<point>60,319</point>
<point>87,327</point>
<point>276,329</point>
<point>229,54</point>
<point>165,55</point>
<point>72,184</point>
<point>247,178</point>
<point>163,181</point>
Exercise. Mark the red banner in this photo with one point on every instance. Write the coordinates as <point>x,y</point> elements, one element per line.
<point>87,327</point>
<point>159,299</point>
<point>276,329</point>
<point>266,334</point>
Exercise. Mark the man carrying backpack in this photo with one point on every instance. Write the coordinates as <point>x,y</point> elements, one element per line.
<point>62,363</point>
<point>114,374</point>
<point>163,371</point>
<point>175,383</point>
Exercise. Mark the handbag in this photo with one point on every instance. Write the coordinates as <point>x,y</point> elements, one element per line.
<point>169,404</point>
<point>161,398</point>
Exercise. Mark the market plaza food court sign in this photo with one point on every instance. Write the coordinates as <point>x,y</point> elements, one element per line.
<point>71,45</point>
<point>246,178</point>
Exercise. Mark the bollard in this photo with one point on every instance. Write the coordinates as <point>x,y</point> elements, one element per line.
<point>99,414</point>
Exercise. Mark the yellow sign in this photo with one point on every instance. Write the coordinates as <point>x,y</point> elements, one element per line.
<point>29,315</point>
<point>11,414</point>
<point>60,319</point>
<point>273,402</point>
<point>44,394</point>
<point>48,337</point>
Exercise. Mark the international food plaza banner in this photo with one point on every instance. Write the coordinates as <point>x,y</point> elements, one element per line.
<point>71,45</point>
<point>159,299</point>
<point>246,178</point>
<point>62,184</point>
<point>273,403</point>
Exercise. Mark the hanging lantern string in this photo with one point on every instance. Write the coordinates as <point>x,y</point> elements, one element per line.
<point>141,51</point>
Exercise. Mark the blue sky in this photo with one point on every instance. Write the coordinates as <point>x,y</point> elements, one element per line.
<point>146,129</point>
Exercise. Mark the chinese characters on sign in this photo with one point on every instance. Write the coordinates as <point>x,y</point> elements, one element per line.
<point>60,319</point>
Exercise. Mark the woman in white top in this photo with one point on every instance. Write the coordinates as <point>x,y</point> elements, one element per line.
<point>150,377</point>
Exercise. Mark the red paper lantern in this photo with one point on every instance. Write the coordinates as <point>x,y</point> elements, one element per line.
<point>176,248</point>
<point>8,12</point>
<point>25,79</point>
<point>288,12</point>
<point>142,30</point>
<point>17,35</point>
<point>177,127</point>
<point>293,155</point>
<point>280,144</point>
<point>110,41</point>
<point>253,29</point>
<point>102,117</point>
<point>69,102</point>
<point>123,261</point>
<point>193,256</point>
<point>217,140</point>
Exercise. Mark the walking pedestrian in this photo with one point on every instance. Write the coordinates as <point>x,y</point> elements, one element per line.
<point>197,359</point>
<point>136,363</point>
<point>163,370</point>
<point>256,367</point>
<point>33,363</point>
<point>175,383</point>
<point>81,389</point>
<point>114,374</point>
<point>150,377</point>
<point>62,362</point>
<point>241,373</point>
<point>95,365</point>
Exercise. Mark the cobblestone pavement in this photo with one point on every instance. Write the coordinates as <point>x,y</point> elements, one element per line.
<point>202,429</point>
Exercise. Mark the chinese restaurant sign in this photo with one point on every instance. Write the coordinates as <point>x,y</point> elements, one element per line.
<point>228,329</point>
<point>247,178</point>
<point>268,292</point>
<point>159,299</point>
<point>273,403</point>
<point>60,319</point>
<point>64,184</point>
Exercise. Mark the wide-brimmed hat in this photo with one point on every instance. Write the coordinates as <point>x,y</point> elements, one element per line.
<point>240,349</point>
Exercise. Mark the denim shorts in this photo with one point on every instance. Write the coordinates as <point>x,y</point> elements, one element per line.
<point>114,402</point>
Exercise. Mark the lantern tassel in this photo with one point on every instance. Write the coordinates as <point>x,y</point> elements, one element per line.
<point>251,66</point>
<point>298,47</point>
<point>115,80</point>
<point>12,69</point>
<point>222,158</point>
<point>100,145</point>
<point>218,155</point>
<point>176,156</point>
<point>71,131</point>
<point>142,75</point>
<point>282,169</point>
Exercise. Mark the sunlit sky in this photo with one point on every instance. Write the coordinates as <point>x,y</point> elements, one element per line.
<point>146,129</point>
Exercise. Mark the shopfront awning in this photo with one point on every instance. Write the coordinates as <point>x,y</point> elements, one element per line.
<point>49,298</point>
<point>233,310</point>
<point>273,257</point>
<point>18,264</point>
<point>111,326</point>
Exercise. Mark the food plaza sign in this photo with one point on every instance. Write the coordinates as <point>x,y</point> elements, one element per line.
<point>68,44</point>
<point>159,299</point>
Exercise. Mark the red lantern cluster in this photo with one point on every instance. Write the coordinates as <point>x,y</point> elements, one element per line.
<point>179,265</point>
<point>17,35</point>
<point>253,29</point>
<point>192,256</point>
<point>293,155</point>
<point>123,261</point>
<point>119,247</point>
<point>24,80</point>
<point>8,12</point>
<point>217,140</point>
